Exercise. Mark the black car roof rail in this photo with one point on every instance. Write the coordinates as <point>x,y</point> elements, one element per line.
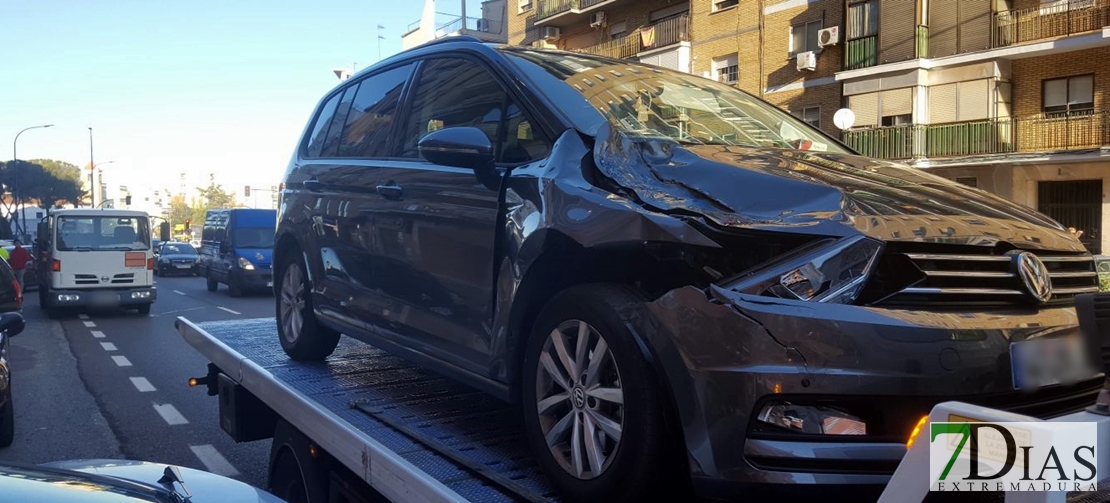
<point>452,38</point>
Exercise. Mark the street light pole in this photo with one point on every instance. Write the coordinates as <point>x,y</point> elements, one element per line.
<point>92,172</point>
<point>15,157</point>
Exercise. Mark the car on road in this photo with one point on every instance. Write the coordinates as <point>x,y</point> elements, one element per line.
<point>175,259</point>
<point>11,324</point>
<point>114,480</point>
<point>677,280</point>
<point>236,249</point>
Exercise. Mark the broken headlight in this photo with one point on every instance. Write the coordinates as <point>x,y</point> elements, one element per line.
<point>828,271</point>
<point>815,420</point>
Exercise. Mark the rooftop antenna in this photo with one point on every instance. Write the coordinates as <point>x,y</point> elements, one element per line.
<point>380,38</point>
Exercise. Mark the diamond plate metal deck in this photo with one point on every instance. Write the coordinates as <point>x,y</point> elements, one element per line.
<point>442,414</point>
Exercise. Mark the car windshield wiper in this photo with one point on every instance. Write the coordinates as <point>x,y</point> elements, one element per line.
<point>78,248</point>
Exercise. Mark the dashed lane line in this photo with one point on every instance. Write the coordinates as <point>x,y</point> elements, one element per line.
<point>142,385</point>
<point>213,460</point>
<point>108,346</point>
<point>83,316</point>
<point>121,361</point>
<point>179,292</point>
<point>170,414</point>
<point>229,310</point>
<point>98,334</point>
<point>89,324</point>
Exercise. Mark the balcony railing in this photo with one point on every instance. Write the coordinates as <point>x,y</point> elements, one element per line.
<point>1039,133</point>
<point>1050,21</point>
<point>661,34</point>
<point>548,8</point>
<point>861,53</point>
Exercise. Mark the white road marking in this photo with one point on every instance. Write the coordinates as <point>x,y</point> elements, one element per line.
<point>108,346</point>
<point>213,460</point>
<point>170,414</point>
<point>229,310</point>
<point>179,292</point>
<point>89,324</point>
<point>98,334</point>
<point>121,361</point>
<point>83,316</point>
<point>176,311</point>
<point>142,384</point>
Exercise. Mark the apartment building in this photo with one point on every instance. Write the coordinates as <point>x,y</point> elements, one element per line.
<point>488,25</point>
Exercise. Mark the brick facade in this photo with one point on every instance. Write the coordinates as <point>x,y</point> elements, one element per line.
<point>633,13</point>
<point>1029,74</point>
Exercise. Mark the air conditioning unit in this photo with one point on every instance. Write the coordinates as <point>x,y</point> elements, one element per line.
<point>807,60</point>
<point>828,36</point>
<point>597,19</point>
<point>550,32</point>
<point>483,25</point>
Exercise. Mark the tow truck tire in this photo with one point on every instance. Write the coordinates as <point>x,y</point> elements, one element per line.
<point>642,465</point>
<point>7,421</point>
<point>301,334</point>
<point>212,284</point>
<point>144,309</point>
<point>43,294</point>
<point>286,481</point>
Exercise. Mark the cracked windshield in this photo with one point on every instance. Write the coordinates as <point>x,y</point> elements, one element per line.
<point>555,251</point>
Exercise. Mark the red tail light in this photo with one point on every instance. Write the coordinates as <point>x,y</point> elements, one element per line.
<point>18,293</point>
<point>57,265</point>
<point>150,264</point>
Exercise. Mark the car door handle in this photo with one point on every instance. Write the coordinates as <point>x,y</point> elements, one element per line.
<point>390,191</point>
<point>313,185</point>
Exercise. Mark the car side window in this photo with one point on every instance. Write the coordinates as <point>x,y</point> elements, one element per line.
<point>372,114</point>
<point>320,129</point>
<point>335,129</point>
<point>454,92</point>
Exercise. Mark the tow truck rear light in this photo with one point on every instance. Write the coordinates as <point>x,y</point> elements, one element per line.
<point>150,264</point>
<point>57,267</point>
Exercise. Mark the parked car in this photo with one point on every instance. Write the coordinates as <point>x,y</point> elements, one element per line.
<point>11,324</point>
<point>176,258</point>
<point>31,270</point>
<point>237,249</point>
<point>676,279</point>
<point>11,296</point>
<point>114,480</point>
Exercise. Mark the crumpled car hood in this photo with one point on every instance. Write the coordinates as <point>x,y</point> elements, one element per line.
<point>820,193</point>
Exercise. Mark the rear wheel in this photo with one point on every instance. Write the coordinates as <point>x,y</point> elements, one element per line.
<point>593,411</point>
<point>286,481</point>
<point>302,336</point>
<point>213,285</point>
<point>7,421</point>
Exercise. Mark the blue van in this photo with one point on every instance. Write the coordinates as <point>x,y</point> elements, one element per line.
<point>237,249</point>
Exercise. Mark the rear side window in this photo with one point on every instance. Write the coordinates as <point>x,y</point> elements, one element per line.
<point>320,129</point>
<point>455,92</point>
<point>373,113</point>
<point>335,128</point>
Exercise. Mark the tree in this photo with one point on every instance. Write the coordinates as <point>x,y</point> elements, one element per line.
<point>179,210</point>
<point>214,196</point>
<point>32,183</point>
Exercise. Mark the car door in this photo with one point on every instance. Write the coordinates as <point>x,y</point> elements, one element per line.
<point>358,147</point>
<point>434,232</point>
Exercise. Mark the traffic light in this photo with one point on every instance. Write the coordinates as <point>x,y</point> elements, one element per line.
<point>246,191</point>
<point>187,222</point>
<point>127,200</point>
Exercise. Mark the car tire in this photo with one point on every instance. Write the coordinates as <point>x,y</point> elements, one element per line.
<point>213,285</point>
<point>7,421</point>
<point>301,334</point>
<point>628,438</point>
<point>286,481</point>
<point>234,289</point>
<point>54,313</point>
<point>144,309</point>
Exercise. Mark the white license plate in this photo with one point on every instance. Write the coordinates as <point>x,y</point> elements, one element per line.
<point>105,299</point>
<point>184,266</point>
<point>1044,362</point>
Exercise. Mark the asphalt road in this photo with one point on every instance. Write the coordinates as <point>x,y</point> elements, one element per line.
<point>115,385</point>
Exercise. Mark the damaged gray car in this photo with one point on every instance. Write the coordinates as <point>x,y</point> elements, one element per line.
<point>682,285</point>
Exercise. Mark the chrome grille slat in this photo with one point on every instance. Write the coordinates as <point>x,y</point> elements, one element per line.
<point>1077,258</point>
<point>960,291</point>
<point>968,274</point>
<point>1074,291</point>
<point>1083,274</point>
<point>969,258</point>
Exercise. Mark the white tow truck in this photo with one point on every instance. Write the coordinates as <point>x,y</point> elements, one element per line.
<point>368,426</point>
<point>95,258</point>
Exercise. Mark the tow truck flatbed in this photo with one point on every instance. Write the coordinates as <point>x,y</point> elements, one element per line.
<point>409,433</point>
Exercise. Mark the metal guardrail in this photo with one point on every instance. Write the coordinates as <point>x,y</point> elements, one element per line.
<point>661,34</point>
<point>1037,133</point>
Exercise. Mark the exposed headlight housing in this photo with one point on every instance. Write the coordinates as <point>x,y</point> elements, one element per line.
<point>811,419</point>
<point>832,271</point>
<point>245,264</point>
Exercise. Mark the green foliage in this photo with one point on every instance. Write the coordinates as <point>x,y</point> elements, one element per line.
<point>33,183</point>
<point>1104,282</point>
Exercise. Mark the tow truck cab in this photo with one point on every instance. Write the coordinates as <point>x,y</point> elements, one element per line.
<point>95,258</point>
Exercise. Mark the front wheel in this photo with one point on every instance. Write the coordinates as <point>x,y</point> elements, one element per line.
<point>144,309</point>
<point>7,421</point>
<point>593,411</point>
<point>213,285</point>
<point>302,336</point>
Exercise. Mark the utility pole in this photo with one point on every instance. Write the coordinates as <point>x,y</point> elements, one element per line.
<point>380,38</point>
<point>92,172</point>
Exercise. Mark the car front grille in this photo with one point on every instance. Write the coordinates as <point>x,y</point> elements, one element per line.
<point>969,278</point>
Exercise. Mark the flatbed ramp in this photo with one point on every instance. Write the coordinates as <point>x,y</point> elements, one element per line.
<point>408,432</point>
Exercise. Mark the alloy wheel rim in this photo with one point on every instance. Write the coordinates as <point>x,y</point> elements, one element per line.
<point>292,303</point>
<point>579,399</point>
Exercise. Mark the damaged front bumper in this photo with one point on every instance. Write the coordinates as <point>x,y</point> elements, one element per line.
<point>727,357</point>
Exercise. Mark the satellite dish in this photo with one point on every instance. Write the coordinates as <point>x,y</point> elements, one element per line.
<point>844,118</point>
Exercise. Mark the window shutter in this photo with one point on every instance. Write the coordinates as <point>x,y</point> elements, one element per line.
<point>942,104</point>
<point>942,27</point>
<point>1055,93</point>
<point>866,108</point>
<point>897,102</point>
<point>974,100</point>
<point>1081,89</point>
<point>975,25</point>
<point>896,38</point>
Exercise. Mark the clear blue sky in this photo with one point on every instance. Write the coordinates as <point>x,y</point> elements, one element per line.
<point>172,86</point>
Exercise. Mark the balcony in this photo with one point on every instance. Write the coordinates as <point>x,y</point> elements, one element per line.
<point>566,11</point>
<point>655,36</point>
<point>1038,133</point>
<point>1038,23</point>
<point>487,30</point>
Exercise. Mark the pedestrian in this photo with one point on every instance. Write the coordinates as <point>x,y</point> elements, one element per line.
<point>18,260</point>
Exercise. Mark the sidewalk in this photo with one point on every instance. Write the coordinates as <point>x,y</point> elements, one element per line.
<point>56,417</point>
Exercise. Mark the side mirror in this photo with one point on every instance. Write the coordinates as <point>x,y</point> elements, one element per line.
<point>12,324</point>
<point>461,147</point>
<point>43,232</point>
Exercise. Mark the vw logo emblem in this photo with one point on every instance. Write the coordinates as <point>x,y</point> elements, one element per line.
<point>579,398</point>
<point>1033,274</point>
